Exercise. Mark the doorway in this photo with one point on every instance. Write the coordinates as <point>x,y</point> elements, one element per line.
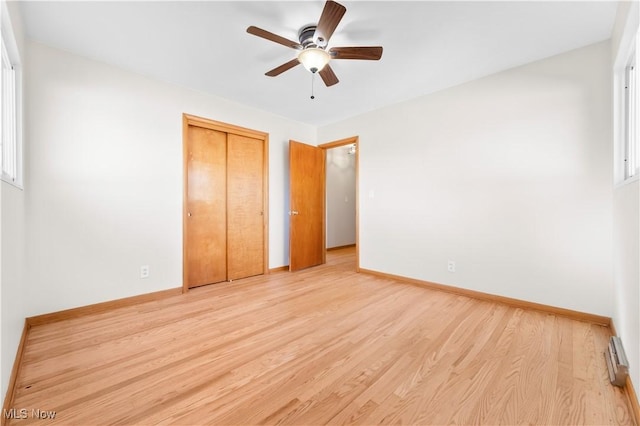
<point>308,214</point>
<point>341,213</point>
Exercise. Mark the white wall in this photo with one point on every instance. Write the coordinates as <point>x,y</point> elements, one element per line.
<point>626,207</point>
<point>13,282</point>
<point>12,241</point>
<point>341,197</point>
<point>105,179</point>
<point>508,175</point>
<point>626,273</point>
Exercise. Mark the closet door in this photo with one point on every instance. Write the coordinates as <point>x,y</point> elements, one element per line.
<point>206,218</point>
<point>245,206</point>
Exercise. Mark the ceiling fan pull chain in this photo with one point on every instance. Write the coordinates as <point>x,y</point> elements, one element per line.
<point>312,77</point>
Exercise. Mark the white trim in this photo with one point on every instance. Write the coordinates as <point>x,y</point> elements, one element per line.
<point>9,36</point>
<point>626,182</point>
<point>628,43</point>
<point>631,116</point>
<point>11,48</point>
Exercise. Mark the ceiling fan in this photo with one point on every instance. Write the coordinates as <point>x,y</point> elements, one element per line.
<point>312,45</point>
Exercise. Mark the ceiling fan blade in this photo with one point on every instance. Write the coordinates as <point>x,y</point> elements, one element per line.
<point>371,53</point>
<point>329,20</point>
<point>282,68</point>
<point>328,76</point>
<point>273,37</point>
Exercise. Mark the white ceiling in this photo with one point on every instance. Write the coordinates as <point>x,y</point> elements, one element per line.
<point>428,45</point>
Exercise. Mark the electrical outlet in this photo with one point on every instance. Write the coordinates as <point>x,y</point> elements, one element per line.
<point>144,271</point>
<point>451,266</point>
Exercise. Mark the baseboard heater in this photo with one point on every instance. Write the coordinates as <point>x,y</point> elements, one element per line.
<point>617,362</point>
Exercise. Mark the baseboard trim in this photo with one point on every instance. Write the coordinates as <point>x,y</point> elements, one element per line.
<point>284,268</point>
<point>516,303</point>
<point>101,307</point>
<point>17,365</point>
<point>340,247</point>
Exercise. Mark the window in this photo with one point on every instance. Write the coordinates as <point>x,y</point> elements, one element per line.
<point>10,116</point>
<point>9,151</point>
<point>631,145</point>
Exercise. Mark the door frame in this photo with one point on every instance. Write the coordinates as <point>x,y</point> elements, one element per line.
<point>335,144</point>
<point>193,120</point>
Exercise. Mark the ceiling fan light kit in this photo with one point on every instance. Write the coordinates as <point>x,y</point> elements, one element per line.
<point>313,40</point>
<point>314,59</point>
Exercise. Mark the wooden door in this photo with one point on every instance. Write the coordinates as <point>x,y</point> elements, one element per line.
<point>245,207</point>
<point>306,220</point>
<point>206,231</point>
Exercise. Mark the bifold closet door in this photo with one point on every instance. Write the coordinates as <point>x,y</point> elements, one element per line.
<point>206,227</point>
<point>245,206</point>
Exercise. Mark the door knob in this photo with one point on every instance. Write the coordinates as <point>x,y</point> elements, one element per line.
<point>189,214</point>
<point>293,212</point>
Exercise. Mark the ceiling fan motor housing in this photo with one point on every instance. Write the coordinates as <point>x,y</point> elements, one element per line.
<point>306,37</point>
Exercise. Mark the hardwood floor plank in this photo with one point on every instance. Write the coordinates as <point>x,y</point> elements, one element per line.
<point>321,346</point>
<point>563,392</point>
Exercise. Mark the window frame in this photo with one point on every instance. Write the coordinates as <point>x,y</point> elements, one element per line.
<point>630,117</point>
<point>11,168</point>
<point>626,46</point>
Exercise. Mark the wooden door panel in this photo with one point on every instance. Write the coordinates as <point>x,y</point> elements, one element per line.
<point>245,209</point>
<point>307,203</point>
<point>206,251</point>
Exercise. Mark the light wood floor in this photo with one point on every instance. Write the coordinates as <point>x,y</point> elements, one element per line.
<point>325,345</point>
